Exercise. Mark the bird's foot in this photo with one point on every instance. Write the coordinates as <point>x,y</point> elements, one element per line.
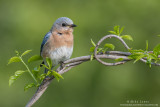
<point>62,65</point>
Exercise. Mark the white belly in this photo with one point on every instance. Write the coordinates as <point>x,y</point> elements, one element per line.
<point>60,55</point>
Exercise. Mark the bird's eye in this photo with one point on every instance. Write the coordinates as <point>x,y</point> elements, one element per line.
<point>64,24</point>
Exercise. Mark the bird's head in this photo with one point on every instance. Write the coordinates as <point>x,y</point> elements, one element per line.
<point>63,24</point>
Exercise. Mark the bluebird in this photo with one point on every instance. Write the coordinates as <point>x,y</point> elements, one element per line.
<point>58,42</point>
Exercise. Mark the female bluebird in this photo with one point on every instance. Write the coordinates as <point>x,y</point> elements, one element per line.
<point>58,42</point>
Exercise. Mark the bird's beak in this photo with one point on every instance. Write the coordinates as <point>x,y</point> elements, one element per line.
<point>73,25</point>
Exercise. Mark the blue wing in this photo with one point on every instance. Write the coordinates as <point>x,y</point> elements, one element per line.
<point>45,39</point>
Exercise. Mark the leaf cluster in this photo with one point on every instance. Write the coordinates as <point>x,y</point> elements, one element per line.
<point>51,72</point>
<point>145,54</point>
<point>118,31</point>
<point>103,49</point>
<point>36,73</point>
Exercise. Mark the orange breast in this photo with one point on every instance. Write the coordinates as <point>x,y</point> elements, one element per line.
<point>56,40</point>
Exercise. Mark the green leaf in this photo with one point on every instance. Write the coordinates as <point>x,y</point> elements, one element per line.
<point>136,51</point>
<point>49,62</point>
<point>28,86</point>
<point>149,61</point>
<point>139,57</point>
<point>36,71</point>
<point>99,50</point>
<point>133,56</point>
<point>45,66</point>
<point>19,73</point>
<point>158,35</point>
<point>38,85</point>
<point>111,46</point>
<point>14,59</point>
<point>42,76</point>
<point>56,75</point>
<point>112,32</point>
<point>13,78</point>
<point>26,52</point>
<point>119,59</point>
<point>127,37</point>
<point>92,49</point>
<point>48,73</point>
<point>152,56</point>
<point>121,30</point>
<point>34,58</point>
<point>17,53</point>
<point>156,50</point>
<point>116,29</point>
<point>93,43</point>
<point>92,56</point>
<point>146,45</point>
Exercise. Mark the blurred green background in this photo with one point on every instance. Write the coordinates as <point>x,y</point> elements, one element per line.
<point>23,24</point>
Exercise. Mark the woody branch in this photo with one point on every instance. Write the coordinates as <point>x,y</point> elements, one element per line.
<point>69,64</point>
